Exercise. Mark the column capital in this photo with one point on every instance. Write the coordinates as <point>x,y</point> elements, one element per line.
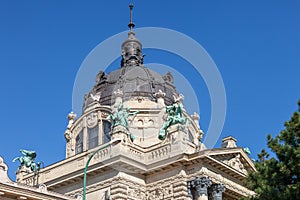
<point>200,184</point>
<point>217,190</point>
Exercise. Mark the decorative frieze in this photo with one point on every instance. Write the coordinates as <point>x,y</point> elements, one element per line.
<point>135,193</point>
<point>160,192</point>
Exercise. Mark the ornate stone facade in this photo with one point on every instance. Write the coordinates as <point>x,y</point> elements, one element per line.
<point>138,165</point>
<point>147,167</point>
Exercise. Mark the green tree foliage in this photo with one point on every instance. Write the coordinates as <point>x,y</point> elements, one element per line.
<point>279,177</point>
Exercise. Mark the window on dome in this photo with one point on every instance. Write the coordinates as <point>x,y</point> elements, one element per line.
<point>92,137</point>
<point>106,131</point>
<point>79,143</point>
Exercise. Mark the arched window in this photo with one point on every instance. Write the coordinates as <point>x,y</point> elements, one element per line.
<point>79,143</point>
<point>93,137</point>
<point>106,132</point>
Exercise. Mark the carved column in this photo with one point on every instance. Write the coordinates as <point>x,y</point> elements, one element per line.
<point>198,187</point>
<point>216,191</point>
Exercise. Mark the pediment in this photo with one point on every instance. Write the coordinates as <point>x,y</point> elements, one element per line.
<point>234,158</point>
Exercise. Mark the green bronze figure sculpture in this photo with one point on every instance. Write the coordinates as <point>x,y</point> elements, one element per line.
<point>120,117</point>
<point>28,160</point>
<point>175,116</point>
<point>247,150</point>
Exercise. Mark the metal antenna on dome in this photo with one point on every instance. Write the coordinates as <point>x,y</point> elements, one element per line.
<point>131,24</point>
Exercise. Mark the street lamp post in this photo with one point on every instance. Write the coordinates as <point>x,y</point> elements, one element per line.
<point>88,162</point>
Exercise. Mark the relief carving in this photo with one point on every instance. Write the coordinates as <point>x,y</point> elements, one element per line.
<point>236,163</point>
<point>68,133</point>
<point>92,120</point>
<point>104,115</point>
<point>160,192</point>
<point>136,193</point>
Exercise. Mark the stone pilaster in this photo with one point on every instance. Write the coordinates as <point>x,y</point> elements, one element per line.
<point>198,187</point>
<point>216,191</point>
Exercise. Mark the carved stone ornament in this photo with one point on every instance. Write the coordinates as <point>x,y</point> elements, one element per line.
<point>118,93</point>
<point>92,120</point>
<point>68,135</point>
<point>3,171</point>
<point>160,193</point>
<point>199,134</point>
<point>178,99</point>
<point>3,166</point>
<point>236,163</point>
<point>101,76</point>
<point>136,193</point>
<point>169,77</point>
<point>104,115</point>
<point>43,188</point>
<point>160,94</point>
<point>95,97</point>
<point>71,118</point>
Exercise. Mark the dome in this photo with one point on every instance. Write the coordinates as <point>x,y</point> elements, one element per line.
<point>136,81</point>
<point>132,79</point>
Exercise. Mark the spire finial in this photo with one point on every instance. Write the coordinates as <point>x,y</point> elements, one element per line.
<point>131,24</point>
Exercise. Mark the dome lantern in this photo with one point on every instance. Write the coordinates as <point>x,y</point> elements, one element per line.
<point>131,47</point>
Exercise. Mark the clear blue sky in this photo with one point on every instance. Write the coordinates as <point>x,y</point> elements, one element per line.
<point>255,44</point>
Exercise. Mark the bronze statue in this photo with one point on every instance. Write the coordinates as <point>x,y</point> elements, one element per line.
<point>28,160</point>
<point>120,117</point>
<point>175,116</point>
